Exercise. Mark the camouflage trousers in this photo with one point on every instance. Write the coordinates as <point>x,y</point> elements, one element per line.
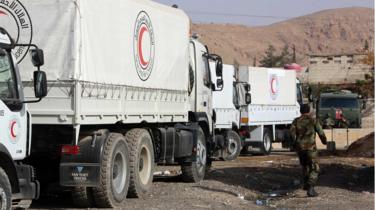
<point>310,166</point>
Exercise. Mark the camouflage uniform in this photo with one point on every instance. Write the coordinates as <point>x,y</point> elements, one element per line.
<point>303,134</point>
<point>329,122</point>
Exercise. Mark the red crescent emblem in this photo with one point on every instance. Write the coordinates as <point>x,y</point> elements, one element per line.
<point>3,13</point>
<point>12,129</point>
<point>140,52</point>
<point>273,85</point>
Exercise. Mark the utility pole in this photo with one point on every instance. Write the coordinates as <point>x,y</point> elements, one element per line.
<point>294,54</point>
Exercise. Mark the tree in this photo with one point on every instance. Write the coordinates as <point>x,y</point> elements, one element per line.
<point>269,59</point>
<point>272,60</point>
<point>285,57</point>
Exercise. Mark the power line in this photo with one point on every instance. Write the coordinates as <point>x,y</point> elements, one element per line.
<point>237,15</point>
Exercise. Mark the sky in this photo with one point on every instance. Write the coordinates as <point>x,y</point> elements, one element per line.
<point>257,12</point>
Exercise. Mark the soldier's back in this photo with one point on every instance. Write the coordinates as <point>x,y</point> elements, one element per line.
<point>305,132</point>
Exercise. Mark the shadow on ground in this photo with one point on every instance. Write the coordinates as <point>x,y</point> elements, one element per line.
<point>286,178</point>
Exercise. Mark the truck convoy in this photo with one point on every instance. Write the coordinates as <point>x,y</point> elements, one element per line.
<point>227,104</point>
<point>276,98</point>
<point>18,185</point>
<point>339,109</point>
<point>128,88</point>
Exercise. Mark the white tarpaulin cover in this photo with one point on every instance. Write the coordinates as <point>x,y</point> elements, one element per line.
<point>125,42</point>
<point>270,86</point>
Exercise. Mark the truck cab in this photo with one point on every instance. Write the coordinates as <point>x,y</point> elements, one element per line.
<point>227,113</point>
<point>17,180</point>
<point>202,87</point>
<point>339,109</point>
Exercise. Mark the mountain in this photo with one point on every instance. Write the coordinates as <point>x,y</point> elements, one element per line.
<point>327,32</point>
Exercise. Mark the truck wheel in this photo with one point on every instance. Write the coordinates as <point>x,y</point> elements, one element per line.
<point>83,197</point>
<point>141,162</point>
<point>114,174</point>
<point>5,191</point>
<point>266,146</point>
<point>195,171</point>
<point>233,147</point>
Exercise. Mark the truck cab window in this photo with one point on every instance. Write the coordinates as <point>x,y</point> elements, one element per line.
<point>8,85</point>
<point>206,73</point>
<point>235,95</point>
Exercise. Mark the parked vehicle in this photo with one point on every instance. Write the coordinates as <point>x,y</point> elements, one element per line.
<point>18,184</point>
<point>227,104</point>
<point>340,109</point>
<point>128,89</point>
<point>273,108</point>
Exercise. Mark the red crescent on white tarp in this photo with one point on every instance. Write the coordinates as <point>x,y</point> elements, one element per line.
<point>273,81</point>
<point>140,52</point>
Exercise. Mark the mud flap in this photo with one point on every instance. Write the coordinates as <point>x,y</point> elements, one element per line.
<point>83,169</point>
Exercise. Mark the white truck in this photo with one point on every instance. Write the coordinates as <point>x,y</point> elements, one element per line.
<point>18,186</point>
<point>227,104</point>
<point>128,89</point>
<point>276,98</point>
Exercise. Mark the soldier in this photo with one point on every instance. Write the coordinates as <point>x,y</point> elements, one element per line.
<point>329,122</point>
<point>303,134</point>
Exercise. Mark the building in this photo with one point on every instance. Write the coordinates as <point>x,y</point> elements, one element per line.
<point>337,69</point>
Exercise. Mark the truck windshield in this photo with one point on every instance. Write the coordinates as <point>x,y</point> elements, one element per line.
<point>339,103</point>
<point>8,87</point>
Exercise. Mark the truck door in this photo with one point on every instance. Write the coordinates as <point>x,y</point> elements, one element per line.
<point>13,115</point>
<point>203,89</point>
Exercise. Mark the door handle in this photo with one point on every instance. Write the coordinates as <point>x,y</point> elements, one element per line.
<point>205,103</point>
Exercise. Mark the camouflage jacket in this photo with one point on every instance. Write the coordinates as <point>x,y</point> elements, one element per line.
<point>303,132</point>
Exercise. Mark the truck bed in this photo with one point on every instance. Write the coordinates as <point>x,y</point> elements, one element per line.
<point>132,70</point>
<point>76,102</point>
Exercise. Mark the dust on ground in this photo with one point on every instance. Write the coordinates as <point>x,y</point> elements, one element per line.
<point>257,182</point>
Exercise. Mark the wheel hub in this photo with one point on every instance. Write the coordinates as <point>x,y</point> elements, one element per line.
<point>232,145</point>
<point>201,154</point>
<point>119,173</point>
<point>145,165</point>
<point>3,199</point>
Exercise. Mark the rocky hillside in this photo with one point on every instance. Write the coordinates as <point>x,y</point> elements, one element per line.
<point>325,32</point>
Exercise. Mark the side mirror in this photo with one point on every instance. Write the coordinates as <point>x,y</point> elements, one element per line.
<point>247,87</point>
<point>248,98</point>
<point>40,84</point>
<point>219,67</point>
<point>219,83</point>
<point>37,57</point>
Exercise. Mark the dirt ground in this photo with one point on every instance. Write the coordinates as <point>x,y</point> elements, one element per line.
<point>256,182</point>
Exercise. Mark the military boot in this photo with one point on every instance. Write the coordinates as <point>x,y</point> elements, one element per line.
<point>311,192</point>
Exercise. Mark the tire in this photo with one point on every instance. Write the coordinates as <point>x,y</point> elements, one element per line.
<point>194,172</point>
<point>141,162</point>
<point>233,146</point>
<point>114,174</point>
<point>83,197</point>
<point>5,191</point>
<point>266,145</point>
